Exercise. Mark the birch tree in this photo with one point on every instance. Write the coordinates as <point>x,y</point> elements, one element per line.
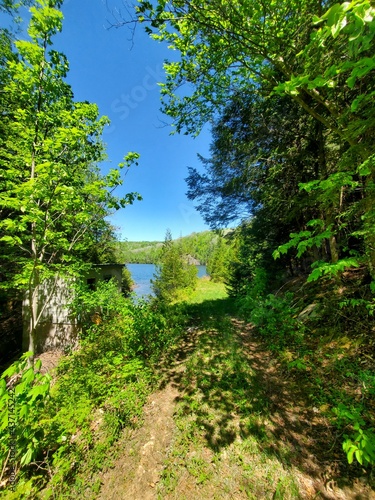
<point>52,194</point>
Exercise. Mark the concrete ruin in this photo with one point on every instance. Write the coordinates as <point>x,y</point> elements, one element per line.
<point>57,329</point>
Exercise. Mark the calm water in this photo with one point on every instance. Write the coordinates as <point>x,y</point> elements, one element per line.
<point>143,273</point>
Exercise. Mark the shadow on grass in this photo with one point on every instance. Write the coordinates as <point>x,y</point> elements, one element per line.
<point>232,388</point>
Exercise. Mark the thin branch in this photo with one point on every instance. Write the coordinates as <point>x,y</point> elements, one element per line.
<point>5,464</point>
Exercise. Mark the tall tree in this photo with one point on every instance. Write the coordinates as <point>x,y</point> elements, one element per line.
<point>262,150</point>
<point>318,54</point>
<point>219,261</point>
<point>338,62</point>
<point>227,48</point>
<point>173,273</point>
<point>52,195</point>
<point>6,109</point>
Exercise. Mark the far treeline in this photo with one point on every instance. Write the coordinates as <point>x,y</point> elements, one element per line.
<point>198,248</point>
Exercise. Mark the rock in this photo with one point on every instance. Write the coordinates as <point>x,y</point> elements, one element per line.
<point>308,311</point>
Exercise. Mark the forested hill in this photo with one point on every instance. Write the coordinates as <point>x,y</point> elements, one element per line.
<point>138,252</point>
<point>200,246</point>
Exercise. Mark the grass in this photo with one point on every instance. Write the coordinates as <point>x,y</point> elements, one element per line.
<point>221,446</point>
<point>207,290</point>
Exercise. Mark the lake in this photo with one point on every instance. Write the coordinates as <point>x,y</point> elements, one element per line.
<point>142,275</point>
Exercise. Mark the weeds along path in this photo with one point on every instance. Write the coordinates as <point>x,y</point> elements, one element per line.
<point>227,424</point>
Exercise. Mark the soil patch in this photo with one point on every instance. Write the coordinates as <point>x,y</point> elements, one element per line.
<point>49,359</point>
<point>137,471</point>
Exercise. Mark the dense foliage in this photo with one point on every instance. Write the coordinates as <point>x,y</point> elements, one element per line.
<point>198,246</point>
<point>65,431</point>
<point>138,252</point>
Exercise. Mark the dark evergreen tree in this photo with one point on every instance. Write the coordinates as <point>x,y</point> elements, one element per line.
<point>173,273</point>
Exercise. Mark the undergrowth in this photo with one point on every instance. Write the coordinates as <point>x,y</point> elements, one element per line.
<point>325,340</point>
<point>65,427</point>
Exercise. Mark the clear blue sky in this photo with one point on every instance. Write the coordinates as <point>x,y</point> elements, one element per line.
<point>122,80</point>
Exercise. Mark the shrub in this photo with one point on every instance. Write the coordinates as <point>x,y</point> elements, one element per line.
<point>92,307</point>
<point>24,392</point>
<point>274,316</point>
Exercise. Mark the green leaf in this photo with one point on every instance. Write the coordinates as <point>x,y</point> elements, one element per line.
<point>333,14</point>
<point>27,457</point>
<point>359,456</point>
<point>276,254</point>
<point>28,376</point>
<point>23,411</point>
<point>350,454</point>
<point>9,372</point>
<point>38,390</point>
<point>3,387</point>
<point>357,101</point>
<point>331,269</point>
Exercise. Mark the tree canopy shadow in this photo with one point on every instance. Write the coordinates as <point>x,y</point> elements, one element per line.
<point>234,388</point>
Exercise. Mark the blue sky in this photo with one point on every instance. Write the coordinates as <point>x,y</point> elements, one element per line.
<point>122,79</point>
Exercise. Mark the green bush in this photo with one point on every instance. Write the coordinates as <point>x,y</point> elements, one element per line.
<point>24,392</point>
<point>361,442</point>
<point>126,282</point>
<point>64,432</point>
<point>219,262</point>
<point>103,304</point>
<point>274,316</point>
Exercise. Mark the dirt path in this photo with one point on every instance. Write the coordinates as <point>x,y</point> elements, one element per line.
<point>144,450</point>
<point>138,471</point>
<point>227,424</point>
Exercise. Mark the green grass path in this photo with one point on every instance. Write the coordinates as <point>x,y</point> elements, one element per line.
<point>221,448</point>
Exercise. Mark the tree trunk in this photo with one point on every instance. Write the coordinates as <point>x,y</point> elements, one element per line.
<point>33,293</point>
<point>333,249</point>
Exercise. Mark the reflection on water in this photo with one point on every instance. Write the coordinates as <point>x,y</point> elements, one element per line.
<point>142,275</point>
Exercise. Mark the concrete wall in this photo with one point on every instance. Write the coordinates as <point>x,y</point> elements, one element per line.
<point>57,328</point>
